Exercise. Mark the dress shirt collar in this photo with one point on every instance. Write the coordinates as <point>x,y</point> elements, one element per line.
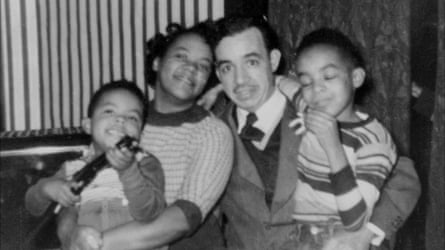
<point>269,116</point>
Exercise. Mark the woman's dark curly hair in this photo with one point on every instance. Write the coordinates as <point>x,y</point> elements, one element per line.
<point>159,44</point>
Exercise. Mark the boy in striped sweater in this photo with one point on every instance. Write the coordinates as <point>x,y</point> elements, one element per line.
<point>345,155</point>
<point>132,188</point>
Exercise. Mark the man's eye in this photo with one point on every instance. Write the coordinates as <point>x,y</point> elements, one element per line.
<point>329,77</point>
<point>252,62</point>
<point>225,68</point>
<point>108,111</point>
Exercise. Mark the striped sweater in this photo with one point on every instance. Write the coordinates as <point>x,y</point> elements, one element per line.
<point>371,154</point>
<point>196,153</point>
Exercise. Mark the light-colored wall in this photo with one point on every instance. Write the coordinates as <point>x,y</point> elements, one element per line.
<point>55,53</point>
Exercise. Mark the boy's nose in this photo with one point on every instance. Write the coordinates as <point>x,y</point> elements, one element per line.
<point>319,86</point>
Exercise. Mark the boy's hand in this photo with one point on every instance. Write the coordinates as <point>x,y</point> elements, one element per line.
<point>298,124</point>
<point>324,127</point>
<point>120,159</point>
<point>85,238</point>
<point>59,190</point>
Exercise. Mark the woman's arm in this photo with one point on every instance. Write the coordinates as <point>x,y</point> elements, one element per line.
<point>170,225</point>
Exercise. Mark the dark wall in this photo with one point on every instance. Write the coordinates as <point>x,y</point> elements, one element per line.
<point>246,7</point>
<point>424,19</point>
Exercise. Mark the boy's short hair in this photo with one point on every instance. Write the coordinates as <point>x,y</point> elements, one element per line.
<point>232,25</point>
<point>115,85</point>
<point>335,38</point>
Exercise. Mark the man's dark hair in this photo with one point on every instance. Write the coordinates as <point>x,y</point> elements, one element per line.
<point>335,38</point>
<point>131,87</point>
<point>232,25</point>
<point>159,44</point>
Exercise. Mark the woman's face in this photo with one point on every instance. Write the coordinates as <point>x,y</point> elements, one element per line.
<point>184,70</point>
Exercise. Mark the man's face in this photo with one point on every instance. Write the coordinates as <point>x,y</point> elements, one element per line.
<point>245,68</point>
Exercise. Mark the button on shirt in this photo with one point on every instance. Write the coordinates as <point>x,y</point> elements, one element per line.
<point>269,116</point>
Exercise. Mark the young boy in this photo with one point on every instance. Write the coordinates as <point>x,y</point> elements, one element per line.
<point>116,110</point>
<point>345,155</point>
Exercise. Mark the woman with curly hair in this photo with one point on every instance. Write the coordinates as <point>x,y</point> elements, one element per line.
<point>194,147</point>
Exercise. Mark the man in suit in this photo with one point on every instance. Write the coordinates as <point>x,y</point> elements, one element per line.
<point>258,201</point>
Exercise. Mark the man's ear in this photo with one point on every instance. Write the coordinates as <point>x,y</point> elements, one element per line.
<point>358,77</point>
<point>275,58</point>
<point>155,64</point>
<point>86,125</point>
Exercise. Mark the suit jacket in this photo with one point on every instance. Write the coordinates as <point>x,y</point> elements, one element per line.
<point>252,225</point>
<point>249,220</point>
<point>397,199</point>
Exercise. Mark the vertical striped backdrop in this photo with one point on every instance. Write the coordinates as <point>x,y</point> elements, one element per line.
<point>55,53</point>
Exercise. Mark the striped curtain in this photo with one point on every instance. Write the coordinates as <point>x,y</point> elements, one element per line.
<point>56,53</point>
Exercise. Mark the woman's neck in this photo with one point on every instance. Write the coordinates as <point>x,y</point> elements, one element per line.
<point>168,104</point>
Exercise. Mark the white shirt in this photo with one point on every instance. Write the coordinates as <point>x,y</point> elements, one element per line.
<point>269,116</point>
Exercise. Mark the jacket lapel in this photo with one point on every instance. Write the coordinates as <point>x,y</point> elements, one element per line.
<point>287,169</point>
<point>248,170</point>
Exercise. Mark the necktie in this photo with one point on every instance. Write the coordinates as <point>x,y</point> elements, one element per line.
<point>250,132</point>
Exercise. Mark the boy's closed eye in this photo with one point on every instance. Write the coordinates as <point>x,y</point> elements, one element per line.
<point>108,111</point>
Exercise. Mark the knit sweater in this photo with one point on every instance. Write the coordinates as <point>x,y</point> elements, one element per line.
<point>371,154</point>
<point>196,153</point>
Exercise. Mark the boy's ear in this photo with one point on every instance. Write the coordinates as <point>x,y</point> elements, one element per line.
<point>155,65</point>
<point>86,125</point>
<point>275,58</point>
<point>358,77</point>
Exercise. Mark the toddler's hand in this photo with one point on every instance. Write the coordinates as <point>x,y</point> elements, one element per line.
<point>120,159</point>
<point>59,190</point>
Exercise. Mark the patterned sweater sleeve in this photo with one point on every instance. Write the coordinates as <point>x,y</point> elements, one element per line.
<point>143,185</point>
<point>356,193</point>
<point>210,166</point>
<point>35,200</point>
